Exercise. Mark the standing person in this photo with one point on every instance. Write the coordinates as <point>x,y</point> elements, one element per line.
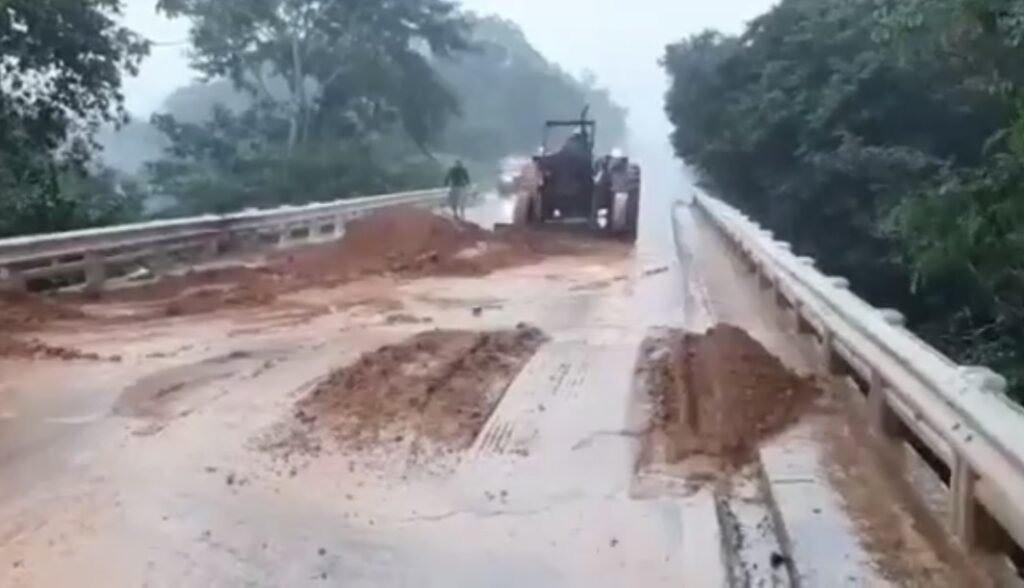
<point>457,180</point>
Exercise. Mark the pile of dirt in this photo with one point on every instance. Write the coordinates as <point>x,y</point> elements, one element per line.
<point>722,393</point>
<point>407,241</point>
<point>13,347</point>
<point>173,286</point>
<point>205,300</point>
<point>435,390</point>
<point>20,311</point>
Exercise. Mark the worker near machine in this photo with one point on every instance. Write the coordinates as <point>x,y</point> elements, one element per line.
<point>457,181</point>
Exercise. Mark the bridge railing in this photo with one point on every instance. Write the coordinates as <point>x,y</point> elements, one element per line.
<point>90,256</point>
<point>960,413</point>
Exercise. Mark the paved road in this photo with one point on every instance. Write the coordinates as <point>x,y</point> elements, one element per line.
<point>549,495</point>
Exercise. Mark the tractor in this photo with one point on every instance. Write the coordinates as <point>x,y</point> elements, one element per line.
<point>570,187</point>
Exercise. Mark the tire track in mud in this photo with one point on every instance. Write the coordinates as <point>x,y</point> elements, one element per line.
<point>427,396</point>
<point>556,376</point>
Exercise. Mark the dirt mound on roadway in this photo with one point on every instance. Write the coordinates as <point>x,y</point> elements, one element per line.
<point>722,393</point>
<point>403,241</point>
<point>24,311</point>
<point>411,241</point>
<point>436,389</point>
<point>13,347</point>
<point>207,300</point>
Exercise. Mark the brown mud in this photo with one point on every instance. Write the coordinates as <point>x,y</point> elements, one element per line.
<point>413,242</point>
<point>24,311</point>
<point>720,394</point>
<point>406,242</point>
<point>437,388</point>
<point>19,348</point>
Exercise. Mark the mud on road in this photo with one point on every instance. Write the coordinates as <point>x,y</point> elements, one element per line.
<point>435,390</point>
<point>401,242</point>
<point>719,395</point>
<point>404,242</point>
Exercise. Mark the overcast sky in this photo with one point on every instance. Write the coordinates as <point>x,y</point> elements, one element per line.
<point>618,40</point>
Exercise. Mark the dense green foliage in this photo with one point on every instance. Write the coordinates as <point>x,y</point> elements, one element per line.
<point>61,65</point>
<point>302,100</point>
<point>885,138</point>
<point>327,84</point>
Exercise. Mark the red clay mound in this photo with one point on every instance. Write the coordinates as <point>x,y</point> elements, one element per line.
<point>406,241</point>
<point>438,386</point>
<point>34,349</point>
<point>722,393</point>
<point>23,311</point>
<point>172,286</point>
<point>212,299</point>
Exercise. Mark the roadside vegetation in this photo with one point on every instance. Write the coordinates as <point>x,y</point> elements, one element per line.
<point>886,139</point>
<point>297,101</point>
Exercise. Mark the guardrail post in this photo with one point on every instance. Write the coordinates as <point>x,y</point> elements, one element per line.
<point>296,232</point>
<point>963,509</point>
<point>831,362</point>
<point>780,298</point>
<point>881,417</point>
<point>160,262</point>
<point>283,236</point>
<point>211,248</point>
<point>803,326</point>
<point>95,273</point>
<point>248,240</point>
<point>11,280</point>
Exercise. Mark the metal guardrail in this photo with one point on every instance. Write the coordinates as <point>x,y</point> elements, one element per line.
<point>960,413</point>
<point>88,256</point>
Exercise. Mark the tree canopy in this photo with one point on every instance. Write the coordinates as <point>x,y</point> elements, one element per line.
<point>347,66</point>
<point>883,137</point>
<point>228,144</point>
<point>61,66</point>
<point>299,100</point>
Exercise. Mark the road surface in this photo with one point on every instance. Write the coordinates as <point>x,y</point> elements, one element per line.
<point>153,471</point>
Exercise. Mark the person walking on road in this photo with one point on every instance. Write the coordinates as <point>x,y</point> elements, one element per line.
<point>457,181</point>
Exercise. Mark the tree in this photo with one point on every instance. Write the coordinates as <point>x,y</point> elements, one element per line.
<point>339,97</point>
<point>234,142</point>
<point>61,66</point>
<point>884,138</point>
<point>491,81</point>
<point>227,163</point>
<point>349,66</point>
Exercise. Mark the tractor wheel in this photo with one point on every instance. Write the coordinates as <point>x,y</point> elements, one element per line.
<point>523,214</point>
<point>619,221</point>
<point>633,214</point>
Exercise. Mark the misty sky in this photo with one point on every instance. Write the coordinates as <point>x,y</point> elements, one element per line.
<point>618,40</point>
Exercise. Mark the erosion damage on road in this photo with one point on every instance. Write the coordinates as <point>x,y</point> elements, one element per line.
<point>435,390</point>
<point>718,395</point>
<point>326,414</point>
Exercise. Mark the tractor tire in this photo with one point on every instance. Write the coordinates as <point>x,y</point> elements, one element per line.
<point>619,222</point>
<point>522,214</point>
<point>633,212</point>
